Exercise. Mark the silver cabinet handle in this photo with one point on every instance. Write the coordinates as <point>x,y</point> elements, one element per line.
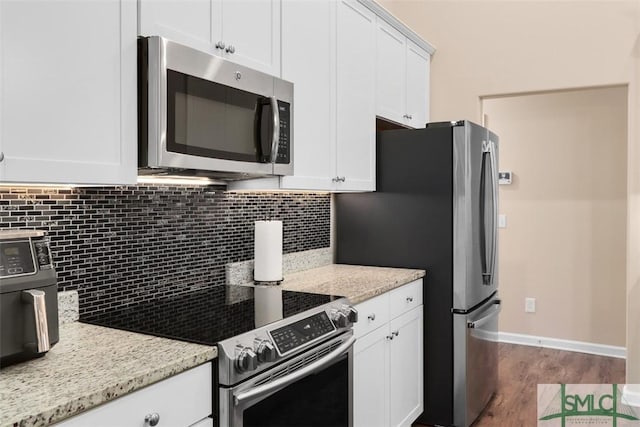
<point>395,333</point>
<point>152,419</point>
<point>389,337</point>
<point>342,179</point>
<point>220,45</point>
<point>409,299</point>
<point>230,49</point>
<point>1,156</point>
<point>410,117</point>
<point>372,317</point>
<point>35,297</point>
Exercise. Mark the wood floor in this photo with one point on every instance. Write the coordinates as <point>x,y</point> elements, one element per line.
<point>522,368</point>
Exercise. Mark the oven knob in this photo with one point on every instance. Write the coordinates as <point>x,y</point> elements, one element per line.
<point>265,350</point>
<point>246,360</point>
<point>352,314</point>
<point>340,319</point>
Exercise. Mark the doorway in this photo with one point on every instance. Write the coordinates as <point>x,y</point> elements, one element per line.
<point>564,243</point>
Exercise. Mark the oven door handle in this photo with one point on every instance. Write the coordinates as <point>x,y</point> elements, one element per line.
<point>301,373</point>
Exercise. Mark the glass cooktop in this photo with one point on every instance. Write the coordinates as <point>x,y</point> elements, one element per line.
<point>211,314</point>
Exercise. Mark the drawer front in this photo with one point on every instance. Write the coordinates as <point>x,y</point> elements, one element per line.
<point>181,400</point>
<point>372,314</point>
<point>405,298</point>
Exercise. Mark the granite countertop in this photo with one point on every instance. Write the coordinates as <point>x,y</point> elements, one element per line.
<point>356,282</point>
<point>89,366</point>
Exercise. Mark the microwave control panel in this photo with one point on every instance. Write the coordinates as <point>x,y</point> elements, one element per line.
<point>284,145</point>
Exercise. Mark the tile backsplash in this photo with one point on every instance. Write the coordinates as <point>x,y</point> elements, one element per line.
<point>120,245</point>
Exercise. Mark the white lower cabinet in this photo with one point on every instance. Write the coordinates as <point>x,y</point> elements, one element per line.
<point>388,359</point>
<point>184,400</point>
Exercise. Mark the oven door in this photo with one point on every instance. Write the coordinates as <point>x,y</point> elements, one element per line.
<point>312,389</point>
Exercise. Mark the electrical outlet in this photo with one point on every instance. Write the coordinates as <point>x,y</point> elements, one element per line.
<point>530,305</point>
<point>502,221</point>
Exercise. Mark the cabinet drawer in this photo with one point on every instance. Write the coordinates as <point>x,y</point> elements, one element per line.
<point>372,314</point>
<point>181,400</point>
<point>405,298</point>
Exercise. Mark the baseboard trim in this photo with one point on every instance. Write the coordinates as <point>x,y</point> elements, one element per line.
<point>560,344</point>
<point>630,397</point>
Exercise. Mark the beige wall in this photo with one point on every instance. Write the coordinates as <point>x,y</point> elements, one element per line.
<point>487,47</point>
<point>566,212</point>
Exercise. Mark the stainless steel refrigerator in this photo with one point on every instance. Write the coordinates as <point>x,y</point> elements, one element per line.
<point>435,208</point>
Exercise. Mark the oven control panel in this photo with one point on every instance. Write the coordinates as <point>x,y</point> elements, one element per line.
<point>290,337</point>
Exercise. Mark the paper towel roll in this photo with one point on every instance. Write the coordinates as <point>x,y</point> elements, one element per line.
<point>268,251</point>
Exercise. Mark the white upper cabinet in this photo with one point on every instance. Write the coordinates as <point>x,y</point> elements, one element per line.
<point>309,60</point>
<point>418,76</point>
<point>391,63</point>
<point>402,79</point>
<point>243,31</point>
<point>68,94</point>
<point>250,30</point>
<point>356,163</point>
<point>328,52</point>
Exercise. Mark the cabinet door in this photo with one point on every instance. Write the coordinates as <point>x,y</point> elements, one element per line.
<point>181,400</point>
<point>417,85</point>
<point>406,368</point>
<point>188,22</point>
<point>68,98</point>
<point>391,75</point>
<point>252,28</point>
<point>356,48</point>
<point>371,379</point>
<point>308,60</point>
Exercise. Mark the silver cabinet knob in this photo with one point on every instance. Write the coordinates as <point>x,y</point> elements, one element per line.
<point>372,317</point>
<point>1,156</point>
<point>230,49</point>
<point>342,179</point>
<point>220,45</point>
<point>152,419</point>
<point>389,337</point>
<point>409,299</point>
<point>395,333</point>
<point>410,117</point>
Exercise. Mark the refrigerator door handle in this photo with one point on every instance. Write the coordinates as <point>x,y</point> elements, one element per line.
<point>485,319</point>
<point>494,214</point>
<point>490,229</point>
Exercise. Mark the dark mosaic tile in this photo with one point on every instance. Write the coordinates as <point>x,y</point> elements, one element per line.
<point>120,245</point>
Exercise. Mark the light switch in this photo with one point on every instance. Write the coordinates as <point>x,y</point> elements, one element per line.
<point>502,221</point>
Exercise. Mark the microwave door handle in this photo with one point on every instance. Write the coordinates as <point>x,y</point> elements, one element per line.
<point>276,129</point>
<point>35,298</point>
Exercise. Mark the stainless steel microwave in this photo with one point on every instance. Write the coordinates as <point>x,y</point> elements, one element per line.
<point>199,113</point>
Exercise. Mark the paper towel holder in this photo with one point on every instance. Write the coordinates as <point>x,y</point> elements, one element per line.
<point>268,283</point>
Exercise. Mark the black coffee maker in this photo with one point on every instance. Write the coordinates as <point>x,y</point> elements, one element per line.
<point>28,296</point>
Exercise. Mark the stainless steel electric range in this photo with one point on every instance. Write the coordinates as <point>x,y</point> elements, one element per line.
<point>284,358</point>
